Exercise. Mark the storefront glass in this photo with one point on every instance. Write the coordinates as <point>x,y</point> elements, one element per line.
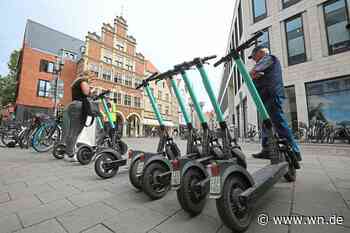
<point>290,107</point>
<point>328,100</point>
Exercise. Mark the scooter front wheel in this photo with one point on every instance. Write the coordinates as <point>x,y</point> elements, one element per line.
<point>189,195</point>
<point>233,213</point>
<point>134,179</point>
<point>58,151</point>
<point>84,155</point>
<point>103,168</point>
<point>151,184</point>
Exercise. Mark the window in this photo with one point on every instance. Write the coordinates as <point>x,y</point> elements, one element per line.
<point>129,65</point>
<point>46,66</point>
<point>43,88</point>
<point>159,94</point>
<point>118,98</point>
<point>137,102</point>
<point>328,100</point>
<point>69,55</point>
<point>119,61</point>
<point>127,100</point>
<point>119,45</point>
<point>240,22</point>
<point>137,82</point>
<point>288,3</point>
<point>94,68</point>
<point>336,18</point>
<point>295,40</point>
<point>128,81</point>
<point>118,78</point>
<point>290,107</point>
<point>259,10</point>
<point>236,34</point>
<point>107,60</point>
<point>107,75</point>
<point>264,40</point>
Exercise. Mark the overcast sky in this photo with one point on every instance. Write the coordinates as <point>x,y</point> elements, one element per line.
<point>167,31</point>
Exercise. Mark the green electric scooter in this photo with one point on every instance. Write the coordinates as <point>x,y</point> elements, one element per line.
<point>193,186</point>
<point>233,187</point>
<point>151,166</point>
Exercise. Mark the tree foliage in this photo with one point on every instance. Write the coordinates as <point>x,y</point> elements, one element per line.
<point>8,83</point>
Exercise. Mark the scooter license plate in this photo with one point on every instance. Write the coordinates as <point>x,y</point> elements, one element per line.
<point>175,178</point>
<point>140,168</point>
<point>215,185</point>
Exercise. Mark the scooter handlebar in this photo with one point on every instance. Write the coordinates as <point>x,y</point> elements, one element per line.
<point>243,46</point>
<point>145,82</point>
<point>103,94</point>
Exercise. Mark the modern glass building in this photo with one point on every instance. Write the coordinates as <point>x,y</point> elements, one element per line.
<point>312,41</point>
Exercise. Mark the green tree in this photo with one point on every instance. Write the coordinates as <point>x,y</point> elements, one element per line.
<point>8,83</point>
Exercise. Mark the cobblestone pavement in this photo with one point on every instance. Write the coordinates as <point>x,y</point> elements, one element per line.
<point>40,194</point>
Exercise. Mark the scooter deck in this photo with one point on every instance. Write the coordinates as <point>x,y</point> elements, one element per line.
<point>264,179</point>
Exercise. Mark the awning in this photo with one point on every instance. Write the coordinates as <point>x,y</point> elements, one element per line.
<point>155,122</point>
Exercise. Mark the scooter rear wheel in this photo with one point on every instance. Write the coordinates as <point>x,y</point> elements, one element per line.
<point>84,155</point>
<point>151,185</point>
<point>100,166</point>
<point>190,198</point>
<point>233,214</point>
<point>135,180</point>
<point>58,151</point>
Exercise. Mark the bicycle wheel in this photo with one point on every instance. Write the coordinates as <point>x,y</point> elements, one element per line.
<point>45,137</point>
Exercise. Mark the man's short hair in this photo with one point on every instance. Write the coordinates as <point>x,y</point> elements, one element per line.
<point>257,49</point>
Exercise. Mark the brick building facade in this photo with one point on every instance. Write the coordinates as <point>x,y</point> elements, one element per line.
<point>111,61</point>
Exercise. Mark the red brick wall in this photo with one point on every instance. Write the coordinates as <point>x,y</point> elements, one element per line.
<point>30,75</point>
<point>94,49</point>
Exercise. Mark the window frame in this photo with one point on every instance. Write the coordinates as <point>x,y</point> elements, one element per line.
<point>46,91</point>
<point>287,44</point>
<point>261,17</point>
<point>330,53</point>
<point>292,2</point>
<point>42,69</point>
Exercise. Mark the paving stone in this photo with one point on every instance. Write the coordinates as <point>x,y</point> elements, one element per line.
<point>86,198</point>
<point>135,220</point>
<point>44,212</point>
<point>57,194</point>
<point>183,223</point>
<point>167,205</point>
<point>127,201</point>
<point>13,187</point>
<point>50,226</point>
<point>30,191</point>
<point>18,205</point>
<point>323,209</point>
<point>9,223</point>
<point>317,228</point>
<point>98,229</point>
<point>86,217</point>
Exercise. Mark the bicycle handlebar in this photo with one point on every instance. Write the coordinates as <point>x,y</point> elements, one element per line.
<point>249,43</point>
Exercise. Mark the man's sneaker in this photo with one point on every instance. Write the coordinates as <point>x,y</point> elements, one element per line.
<point>70,158</point>
<point>264,154</point>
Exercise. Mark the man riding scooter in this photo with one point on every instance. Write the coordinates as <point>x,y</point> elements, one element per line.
<point>267,77</point>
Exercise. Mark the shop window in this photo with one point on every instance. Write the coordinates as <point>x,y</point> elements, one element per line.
<point>290,107</point>
<point>328,100</point>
